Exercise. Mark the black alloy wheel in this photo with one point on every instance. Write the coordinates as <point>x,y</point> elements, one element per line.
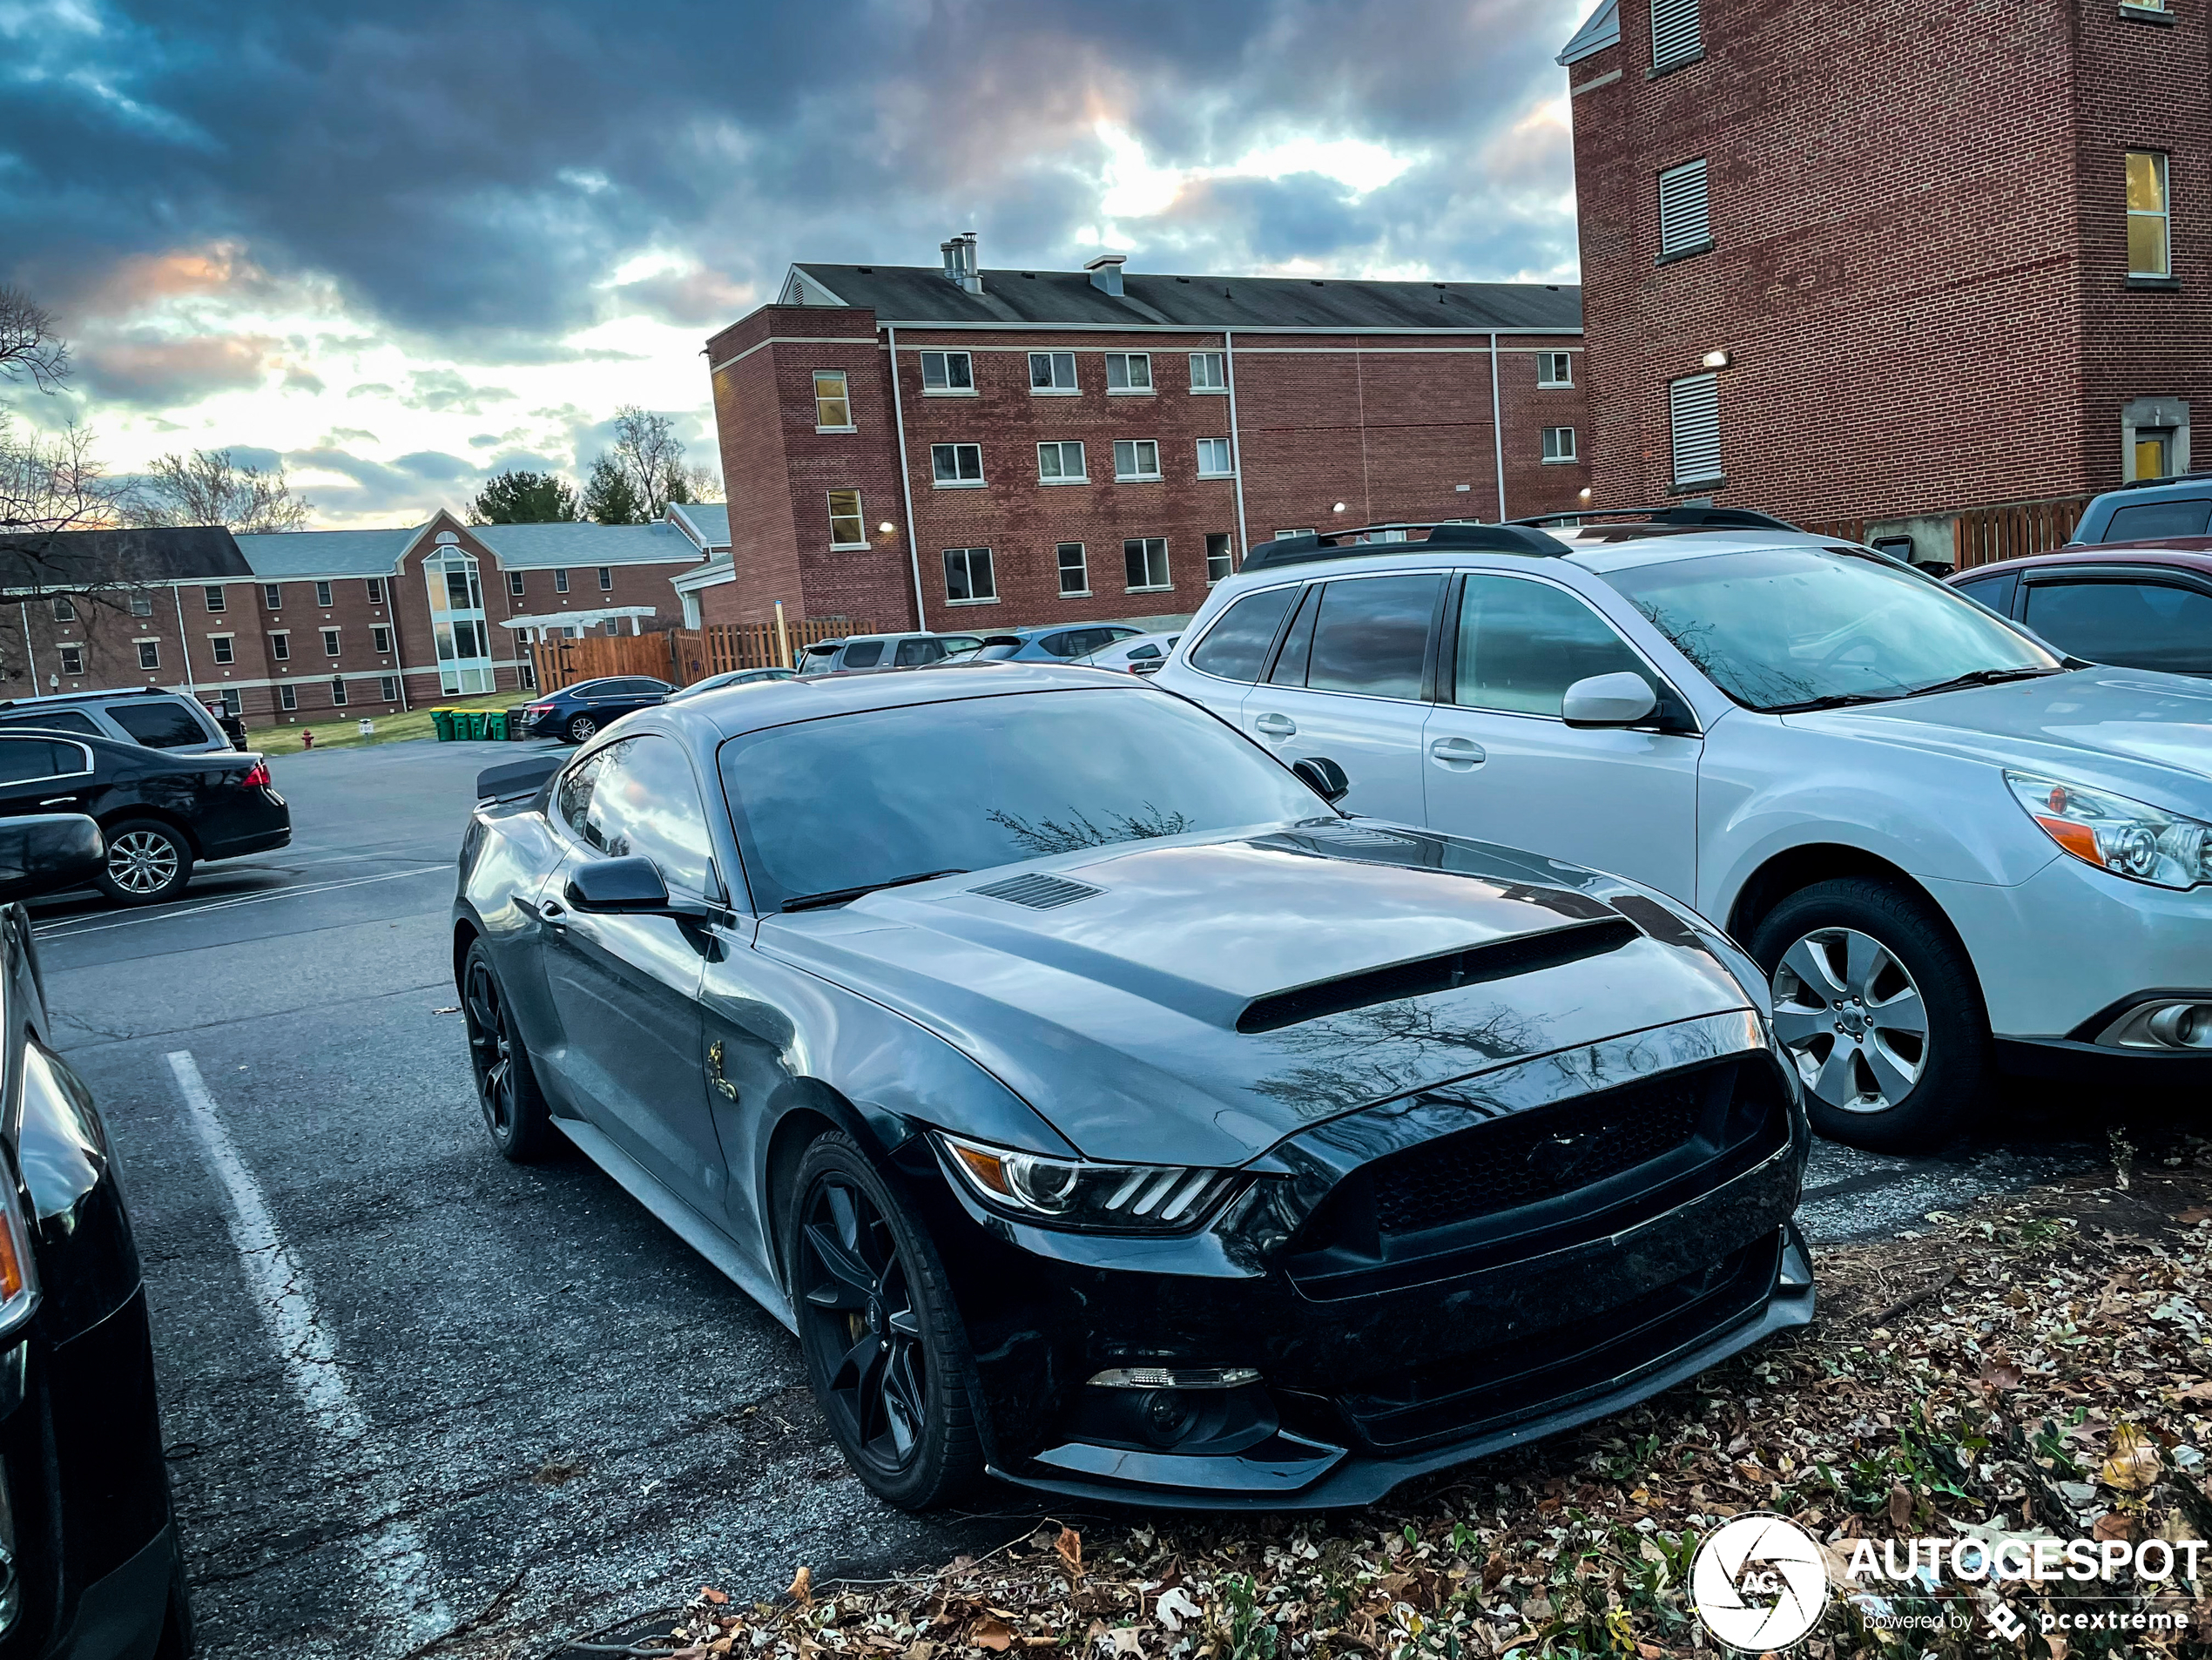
<point>506,1088</point>
<point>581,727</point>
<point>884,1351</point>
<point>148,861</point>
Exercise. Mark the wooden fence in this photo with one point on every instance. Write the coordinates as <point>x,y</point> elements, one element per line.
<point>682,655</point>
<point>1985,535</point>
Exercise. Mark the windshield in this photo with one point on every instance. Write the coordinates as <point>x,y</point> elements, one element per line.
<point>1787,627</point>
<point>860,800</point>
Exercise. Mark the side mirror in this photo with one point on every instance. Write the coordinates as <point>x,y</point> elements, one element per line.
<point>47,852</point>
<point>628,887</point>
<point>1324,777</point>
<point>1619,699</point>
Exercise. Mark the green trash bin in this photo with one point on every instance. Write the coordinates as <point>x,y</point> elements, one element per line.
<point>442,719</point>
<point>475,719</point>
<point>495,724</point>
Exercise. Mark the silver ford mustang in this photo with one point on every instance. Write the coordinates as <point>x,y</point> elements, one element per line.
<point>1103,1109</point>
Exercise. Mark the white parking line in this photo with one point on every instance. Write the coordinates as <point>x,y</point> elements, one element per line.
<point>69,928</point>
<point>395,1559</point>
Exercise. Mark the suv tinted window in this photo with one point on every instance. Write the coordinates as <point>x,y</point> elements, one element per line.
<point>1523,644</point>
<point>913,653</point>
<point>21,759</point>
<point>1996,592</point>
<point>864,654</point>
<point>1236,646</point>
<point>1371,636</point>
<point>159,725</point>
<point>2138,624</point>
<point>638,797</point>
<point>57,720</point>
<point>2146,519</point>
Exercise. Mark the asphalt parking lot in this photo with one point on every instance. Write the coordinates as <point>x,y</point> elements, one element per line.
<point>417,1397</point>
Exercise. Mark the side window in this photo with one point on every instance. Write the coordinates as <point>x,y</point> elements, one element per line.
<point>159,725</point>
<point>1996,592</point>
<point>23,759</point>
<point>1298,644</point>
<point>1371,636</point>
<point>573,799</point>
<point>644,800</point>
<point>1236,646</point>
<point>2136,624</point>
<point>57,721</point>
<point>913,653</point>
<point>866,654</point>
<point>1523,644</point>
<point>2150,519</point>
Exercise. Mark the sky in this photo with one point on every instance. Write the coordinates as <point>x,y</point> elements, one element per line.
<point>407,245</point>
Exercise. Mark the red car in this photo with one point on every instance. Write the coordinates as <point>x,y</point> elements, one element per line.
<point>2147,605</point>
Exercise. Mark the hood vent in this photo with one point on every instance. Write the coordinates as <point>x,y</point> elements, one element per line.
<point>1039,892</point>
<point>1499,960</point>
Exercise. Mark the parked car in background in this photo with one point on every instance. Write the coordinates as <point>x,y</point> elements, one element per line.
<point>2139,606</point>
<point>575,712</point>
<point>1096,1104</point>
<point>1060,642</point>
<point>149,715</point>
<point>161,811</point>
<point>89,1565</point>
<point>875,653</point>
<point>733,678</point>
<point>2150,510</point>
<point>1952,849</point>
<point>1136,654</point>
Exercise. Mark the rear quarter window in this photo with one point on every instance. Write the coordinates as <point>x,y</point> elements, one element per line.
<point>866,655</point>
<point>1236,647</point>
<point>57,721</point>
<point>2145,520</point>
<point>159,725</point>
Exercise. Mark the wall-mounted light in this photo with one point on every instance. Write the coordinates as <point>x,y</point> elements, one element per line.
<point>884,528</point>
<point>1719,360</point>
<point>1584,493</point>
<point>1338,507</point>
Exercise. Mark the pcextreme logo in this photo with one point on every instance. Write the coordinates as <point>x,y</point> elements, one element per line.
<point>1758,1582</point>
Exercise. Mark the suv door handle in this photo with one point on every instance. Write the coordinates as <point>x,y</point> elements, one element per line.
<point>1458,752</point>
<point>1276,726</point>
<point>553,912</point>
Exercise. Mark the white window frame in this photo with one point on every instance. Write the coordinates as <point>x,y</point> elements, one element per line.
<point>1082,567</point>
<point>380,639</point>
<point>322,596</point>
<point>2162,168</point>
<point>73,649</point>
<point>1227,556</point>
<point>1558,447</point>
<point>1555,369</point>
<point>1059,447</point>
<point>842,395</point>
<point>272,595</point>
<point>223,648</point>
<point>944,388</point>
<point>212,595</point>
<point>1053,388</point>
<point>375,589</point>
<point>561,581</point>
<point>514,585</point>
<point>1678,238</point>
<point>1221,447</point>
<point>606,579</point>
<point>65,608</point>
<point>148,649</point>
<point>1136,448</point>
<point>233,703</point>
<point>142,604</point>
<point>388,688</point>
<point>857,518</point>
<point>1148,586</point>
<point>1279,535</point>
<point>334,644</point>
<point>288,697</point>
<point>1210,358</point>
<point>337,691</point>
<point>280,645</point>
<point>956,482</point>
<point>967,568</point>
<point>1127,362</point>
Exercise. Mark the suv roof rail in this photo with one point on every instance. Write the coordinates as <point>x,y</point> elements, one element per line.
<point>2170,478</point>
<point>79,697</point>
<point>1685,517</point>
<point>1440,533</point>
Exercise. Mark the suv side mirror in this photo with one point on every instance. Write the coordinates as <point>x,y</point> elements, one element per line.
<point>1620,699</point>
<point>630,886</point>
<point>47,852</point>
<point>1324,777</point>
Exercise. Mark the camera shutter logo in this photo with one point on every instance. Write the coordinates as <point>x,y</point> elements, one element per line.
<point>1758,1582</point>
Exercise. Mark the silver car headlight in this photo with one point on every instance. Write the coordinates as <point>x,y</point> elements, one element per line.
<point>2127,838</point>
<point>1073,1193</point>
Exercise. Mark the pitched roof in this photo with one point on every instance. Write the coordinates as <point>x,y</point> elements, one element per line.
<point>1600,30</point>
<point>1042,299</point>
<point>541,547</point>
<point>289,554</point>
<point>101,558</point>
<point>710,519</point>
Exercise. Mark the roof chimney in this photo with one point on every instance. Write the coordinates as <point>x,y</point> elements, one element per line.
<point>1106,271</point>
<point>959,262</point>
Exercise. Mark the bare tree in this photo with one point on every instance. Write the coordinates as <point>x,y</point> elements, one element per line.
<point>52,483</point>
<point>702,483</point>
<point>650,457</point>
<point>30,345</point>
<point>210,486</point>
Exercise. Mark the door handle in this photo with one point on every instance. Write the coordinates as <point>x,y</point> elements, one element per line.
<point>1276,726</point>
<point>58,801</point>
<point>553,912</point>
<point>1458,752</point>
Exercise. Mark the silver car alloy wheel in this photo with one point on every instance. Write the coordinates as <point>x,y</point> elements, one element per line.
<point>142,861</point>
<point>1852,1019</point>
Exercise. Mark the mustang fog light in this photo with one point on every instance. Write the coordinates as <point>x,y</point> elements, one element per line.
<point>1123,1198</point>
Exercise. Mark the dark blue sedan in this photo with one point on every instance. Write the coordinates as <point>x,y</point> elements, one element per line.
<point>573,713</point>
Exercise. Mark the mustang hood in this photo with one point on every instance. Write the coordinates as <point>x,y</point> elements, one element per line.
<point>1191,1001</point>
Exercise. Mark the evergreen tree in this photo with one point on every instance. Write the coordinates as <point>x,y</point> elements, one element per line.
<point>525,498</point>
<point>610,498</point>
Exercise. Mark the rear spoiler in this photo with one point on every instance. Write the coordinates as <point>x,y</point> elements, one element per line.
<point>516,780</point>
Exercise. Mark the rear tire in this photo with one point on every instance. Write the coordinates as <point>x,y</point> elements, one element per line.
<point>1877,1004</point>
<point>148,861</point>
<point>580,728</point>
<point>506,1091</point>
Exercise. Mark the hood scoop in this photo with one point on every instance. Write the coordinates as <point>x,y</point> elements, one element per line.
<point>1039,892</point>
<point>1497,960</point>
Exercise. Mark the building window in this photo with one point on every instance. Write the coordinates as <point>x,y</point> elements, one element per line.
<point>376,590</point>
<point>955,466</point>
<point>833,407</point>
<point>606,579</point>
<point>947,373</point>
<point>848,527</point>
<point>560,582</point>
<point>65,608</point>
<point>223,649</point>
<point>1685,228</point>
<point>1213,458</point>
<point>969,580</point>
<point>1279,535</point>
<point>388,687</point>
<point>1136,458</point>
<point>2154,454</point>
<point>287,698</point>
<point>1209,372</point>
<point>2150,221</point>
<point>1694,408</point>
<point>1675,37</point>
<point>212,593</point>
<point>231,702</point>
<point>281,646</point>
<point>1074,570</point>
<point>72,659</point>
<point>1218,562</point>
<point>1129,371</point>
<point>149,654</point>
<point>322,593</point>
<point>337,694</point>
<point>272,595</point>
<point>330,642</point>
<point>1559,444</point>
<point>142,604</point>
<point>1052,372</point>
<point>380,641</point>
<point>1060,462</point>
<point>515,584</point>
<point>1554,368</point>
<point>1146,558</point>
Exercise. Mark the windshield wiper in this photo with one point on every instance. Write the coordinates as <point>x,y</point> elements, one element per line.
<point>1982,678</point>
<point>1833,700</point>
<point>845,895</point>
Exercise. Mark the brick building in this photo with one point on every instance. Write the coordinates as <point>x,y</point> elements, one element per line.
<point>957,447</point>
<point>1942,257</point>
<point>330,624</point>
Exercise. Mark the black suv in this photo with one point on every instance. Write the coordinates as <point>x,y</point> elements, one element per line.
<point>160,810</point>
<point>147,715</point>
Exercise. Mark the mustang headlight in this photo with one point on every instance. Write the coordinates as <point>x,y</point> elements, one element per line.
<point>1071,1193</point>
<point>2114,834</point>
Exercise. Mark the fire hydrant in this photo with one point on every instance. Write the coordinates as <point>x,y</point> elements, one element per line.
<point>307,737</point>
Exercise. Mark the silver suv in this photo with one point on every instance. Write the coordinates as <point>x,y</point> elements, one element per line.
<point>872,653</point>
<point>151,717</point>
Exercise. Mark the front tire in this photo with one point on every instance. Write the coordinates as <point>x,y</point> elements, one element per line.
<point>148,861</point>
<point>1878,1006</point>
<point>581,727</point>
<point>507,1090</point>
<point>885,1350</point>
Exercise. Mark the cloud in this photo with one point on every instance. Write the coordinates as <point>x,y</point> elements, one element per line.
<point>154,373</point>
<point>445,389</point>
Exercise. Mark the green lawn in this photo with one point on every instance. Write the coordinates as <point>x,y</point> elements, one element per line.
<point>341,729</point>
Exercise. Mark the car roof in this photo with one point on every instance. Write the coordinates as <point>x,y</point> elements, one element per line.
<point>53,699</point>
<point>2177,552</point>
<point>1597,548</point>
<point>732,710</point>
